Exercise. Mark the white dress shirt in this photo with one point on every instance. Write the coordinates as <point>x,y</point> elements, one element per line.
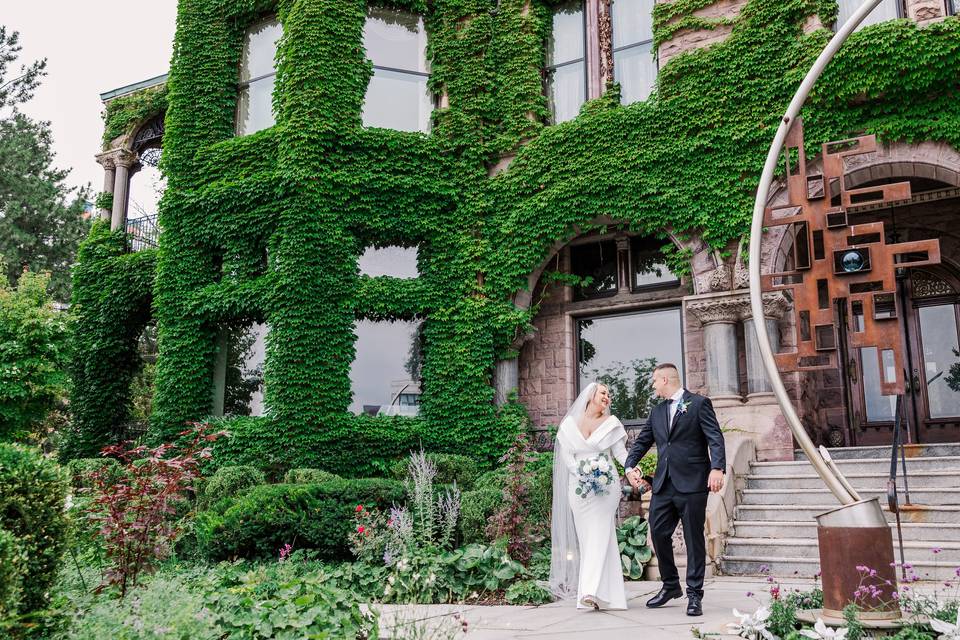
<point>674,403</point>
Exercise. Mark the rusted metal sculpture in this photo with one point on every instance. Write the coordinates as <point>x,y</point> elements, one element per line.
<point>839,264</point>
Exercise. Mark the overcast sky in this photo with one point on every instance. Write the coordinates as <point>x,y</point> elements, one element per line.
<point>91,46</point>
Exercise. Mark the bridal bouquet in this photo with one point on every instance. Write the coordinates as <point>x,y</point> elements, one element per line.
<point>597,474</point>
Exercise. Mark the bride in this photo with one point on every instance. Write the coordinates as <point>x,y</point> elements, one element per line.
<point>584,557</point>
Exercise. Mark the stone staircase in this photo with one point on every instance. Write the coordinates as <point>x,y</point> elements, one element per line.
<point>774,524</point>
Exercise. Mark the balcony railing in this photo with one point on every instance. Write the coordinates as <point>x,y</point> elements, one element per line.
<point>143,233</point>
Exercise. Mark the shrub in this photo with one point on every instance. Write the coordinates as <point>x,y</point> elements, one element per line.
<point>309,476</point>
<point>11,574</point>
<point>33,492</point>
<point>230,482</point>
<point>635,553</point>
<point>511,518</point>
<point>450,467</point>
<point>136,512</point>
<point>82,470</point>
<point>307,516</point>
<point>527,592</point>
<point>478,506</point>
<point>539,473</point>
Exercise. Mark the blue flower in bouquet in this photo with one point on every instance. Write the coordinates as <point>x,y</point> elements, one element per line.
<point>596,475</point>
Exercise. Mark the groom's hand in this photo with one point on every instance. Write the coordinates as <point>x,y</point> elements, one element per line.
<point>715,480</point>
<point>634,477</point>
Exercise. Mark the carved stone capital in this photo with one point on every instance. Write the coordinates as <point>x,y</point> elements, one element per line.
<point>729,308</point>
<point>117,158</point>
<point>736,307</point>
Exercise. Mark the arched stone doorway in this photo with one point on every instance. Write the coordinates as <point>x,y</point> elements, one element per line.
<point>623,316</point>
<point>845,407</point>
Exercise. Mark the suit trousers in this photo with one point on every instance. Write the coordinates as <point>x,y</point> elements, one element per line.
<point>668,507</point>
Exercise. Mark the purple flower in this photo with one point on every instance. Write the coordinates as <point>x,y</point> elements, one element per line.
<point>862,568</point>
<point>957,572</point>
<point>764,568</point>
<point>387,558</point>
<point>749,594</point>
<point>895,595</point>
<point>936,550</point>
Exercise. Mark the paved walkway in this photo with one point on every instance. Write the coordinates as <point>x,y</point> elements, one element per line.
<point>562,620</point>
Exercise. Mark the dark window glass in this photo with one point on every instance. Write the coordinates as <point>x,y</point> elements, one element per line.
<point>243,374</point>
<point>621,351</point>
<point>886,10</point>
<point>649,266</point>
<point>598,262</point>
<point>566,62</point>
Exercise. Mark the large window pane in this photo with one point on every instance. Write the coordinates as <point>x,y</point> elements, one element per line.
<point>621,351</point>
<point>398,262</point>
<point>395,39</point>
<point>938,331</point>
<point>636,71</point>
<point>243,377</point>
<point>257,74</point>
<point>567,91</point>
<point>886,10</point>
<point>255,110</point>
<point>398,101</point>
<point>385,375</point>
<point>632,22</point>
<point>397,96</point>
<point>597,261</point>
<point>567,37</point>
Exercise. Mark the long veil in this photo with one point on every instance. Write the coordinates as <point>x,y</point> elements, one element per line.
<point>564,554</point>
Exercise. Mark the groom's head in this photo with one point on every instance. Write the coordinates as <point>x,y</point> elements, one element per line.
<point>666,380</point>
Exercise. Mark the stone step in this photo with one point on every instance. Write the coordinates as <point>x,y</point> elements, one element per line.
<point>910,450</point>
<point>942,496</point>
<point>793,513</point>
<point>859,465</point>
<point>877,482</point>
<point>784,567</point>
<point>928,532</point>
<point>914,551</point>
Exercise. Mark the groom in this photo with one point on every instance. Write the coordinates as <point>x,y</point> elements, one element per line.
<point>684,427</point>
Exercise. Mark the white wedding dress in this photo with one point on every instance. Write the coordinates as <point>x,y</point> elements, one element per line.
<point>599,577</point>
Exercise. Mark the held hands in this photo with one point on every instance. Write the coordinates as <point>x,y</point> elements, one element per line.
<point>715,480</point>
<point>635,477</point>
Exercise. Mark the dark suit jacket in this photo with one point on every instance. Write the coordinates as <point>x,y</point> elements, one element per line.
<point>682,450</point>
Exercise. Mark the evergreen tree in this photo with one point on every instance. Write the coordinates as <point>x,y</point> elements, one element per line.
<point>40,226</point>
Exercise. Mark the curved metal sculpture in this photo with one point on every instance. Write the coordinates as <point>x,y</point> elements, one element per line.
<point>831,477</point>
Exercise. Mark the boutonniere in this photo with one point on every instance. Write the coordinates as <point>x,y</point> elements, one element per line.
<point>682,406</point>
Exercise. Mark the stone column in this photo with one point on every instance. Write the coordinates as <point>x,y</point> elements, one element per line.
<point>506,379</point>
<point>106,160</point>
<point>758,385</point>
<point>126,165</point>
<point>719,315</point>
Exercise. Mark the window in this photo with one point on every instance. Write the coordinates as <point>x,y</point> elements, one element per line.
<point>953,7</point>
<point>886,10</point>
<point>566,62</point>
<point>258,72</point>
<point>598,262</point>
<point>634,61</point>
<point>397,262</point>
<point>385,375</point>
<point>238,373</point>
<point>397,97</point>
<point>649,266</point>
<point>621,352</point>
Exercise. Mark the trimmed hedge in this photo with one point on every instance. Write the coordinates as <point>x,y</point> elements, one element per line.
<point>230,482</point>
<point>12,562</point>
<point>451,468</point>
<point>309,476</point>
<point>81,470</point>
<point>306,516</point>
<point>33,492</point>
<point>476,508</point>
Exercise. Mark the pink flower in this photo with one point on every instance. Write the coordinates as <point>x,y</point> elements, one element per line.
<point>360,529</point>
<point>359,508</point>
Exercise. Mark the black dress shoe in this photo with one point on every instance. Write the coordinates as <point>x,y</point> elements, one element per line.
<point>662,598</point>
<point>694,607</point>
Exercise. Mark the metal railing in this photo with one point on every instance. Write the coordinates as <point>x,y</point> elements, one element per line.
<point>892,498</point>
<point>143,233</point>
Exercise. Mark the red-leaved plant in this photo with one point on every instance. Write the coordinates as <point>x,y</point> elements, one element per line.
<point>510,520</point>
<point>135,513</point>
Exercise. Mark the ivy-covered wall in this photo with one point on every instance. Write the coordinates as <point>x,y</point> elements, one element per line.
<point>268,227</point>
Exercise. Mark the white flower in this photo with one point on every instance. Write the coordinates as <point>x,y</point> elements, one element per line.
<point>391,579</point>
<point>946,630</point>
<point>822,632</point>
<point>594,464</point>
<point>431,578</point>
<point>752,626</point>
<point>68,503</point>
<point>604,465</point>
